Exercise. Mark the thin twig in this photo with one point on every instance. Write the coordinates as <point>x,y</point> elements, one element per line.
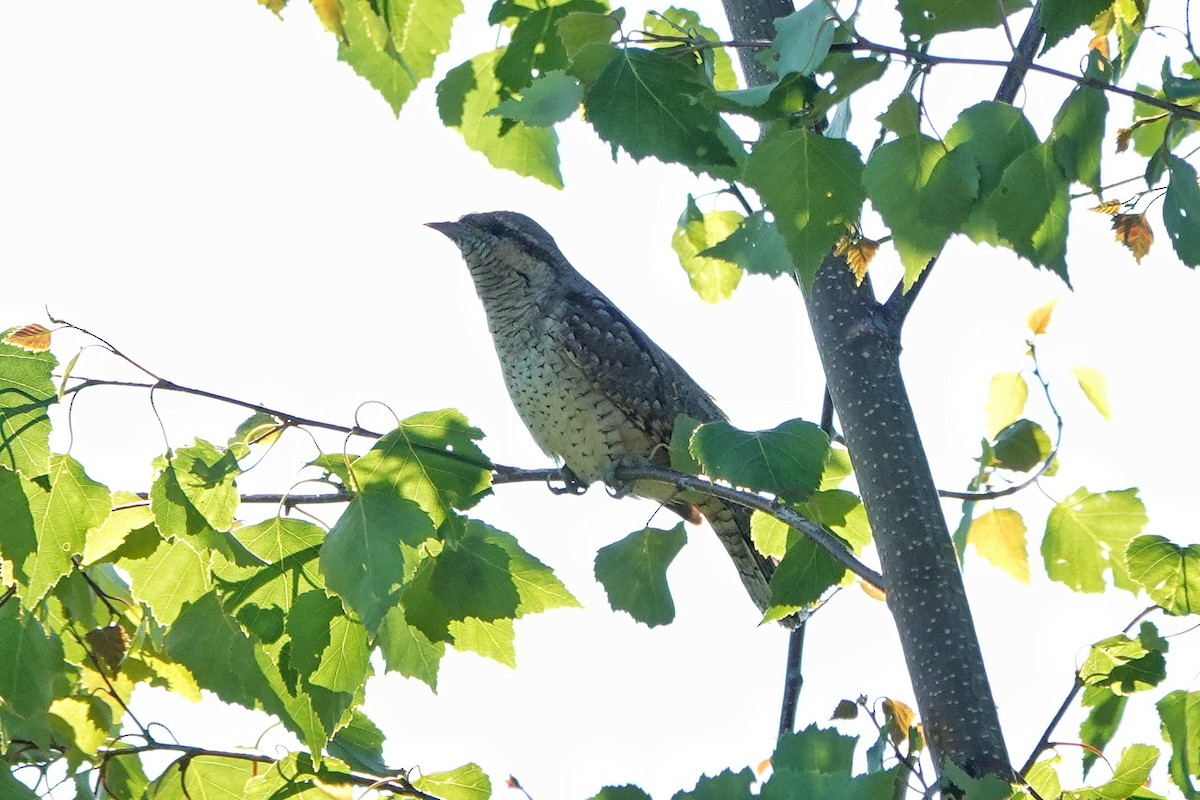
<point>833,546</point>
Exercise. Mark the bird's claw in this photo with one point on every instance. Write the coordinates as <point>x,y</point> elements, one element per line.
<point>571,484</point>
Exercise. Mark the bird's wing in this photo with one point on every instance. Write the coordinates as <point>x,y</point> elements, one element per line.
<point>634,372</point>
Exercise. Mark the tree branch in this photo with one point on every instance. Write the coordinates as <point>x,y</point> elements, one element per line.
<point>832,545</point>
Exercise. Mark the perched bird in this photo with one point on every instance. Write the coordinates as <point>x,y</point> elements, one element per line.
<point>591,387</point>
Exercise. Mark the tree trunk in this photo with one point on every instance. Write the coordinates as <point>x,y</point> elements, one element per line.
<point>859,342</point>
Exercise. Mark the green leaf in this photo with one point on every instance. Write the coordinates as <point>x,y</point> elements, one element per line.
<point>1177,89</point>
<point>801,578</point>
<point>1125,665</point>
<point>1168,572</point>
<point>792,96</point>
<point>465,96</point>
<point>275,539</point>
<point>367,553</point>
<point>903,116</point>
<point>1093,385</point>
<point>999,536</point>
<point>813,186</point>
<point>18,537</point>
<point>408,651</point>
<point>176,517</point>
<point>32,674</point>
<point>802,40</point>
<point>645,102</point>
<point>12,788</point>
<point>208,777</point>
<point>786,461</point>
<point>1030,207</point>
<point>1078,133</point>
<point>1007,394</point>
<point>579,29</point>
<point>489,638</point>
<point>925,19</point>
<point>1021,446</point>
<point>468,782</point>
<point>535,47</point>
<point>129,514</point>
<point>206,476</point>
<point>1061,18</point>
<point>360,745</point>
<point>682,21</point>
<point>62,514</point>
<point>309,626</point>
<point>993,135</point>
<point>842,512</point>
<point>755,246</point>
<point>1087,533</point>
<point>344,665</point>
<point>620,793</point>
<point>1102,721</point>
<point>1181,211</point>
<point>712,278</point>
<point>1179,713</point>
<point>728,785</point>
<point>633,573</point>
<point>538,589</point>
<point>551,98</point>
<point>26,392</point>
<point>1131,772</point>
<point>430,458</point>
<point>815,750</point>
<point>418,31</point>
<point>924,194</point>
<point>168,578</point>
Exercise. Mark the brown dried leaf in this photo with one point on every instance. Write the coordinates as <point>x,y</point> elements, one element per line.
<point>858,251</point>
<point>109,645</point>
<point>1039,319</point>
<point>34,338</point>
<point>1100,45</point>
<point>1109,207</point>
<point>845,709</point>
<point>1134,232</point>
<point>1123,137</point>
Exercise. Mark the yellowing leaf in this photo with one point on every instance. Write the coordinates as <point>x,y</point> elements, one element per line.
<point>1006,399</point>
<point>1094,386</point>
<point>999,536</point>
<point>331,14</point>
<point>275,6</point>
<point>872,591</point>
<point>34,338</point>
<point>1109,207</point>
<point>1100,45</point>
<point>1134,232</point>
<point>858,251</point>
<point>901,716</point>
<point>1039,320</point>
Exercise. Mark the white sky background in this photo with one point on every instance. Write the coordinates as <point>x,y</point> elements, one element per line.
<point>209,189</point>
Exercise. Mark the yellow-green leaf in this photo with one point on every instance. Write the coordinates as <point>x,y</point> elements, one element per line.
<point>1095,388</point>
<point>1006,400</point>
<point>999,536</point>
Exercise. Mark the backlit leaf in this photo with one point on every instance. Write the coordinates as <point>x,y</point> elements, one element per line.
<point>1134,232</point>
<point>465,96</point>
<point>1169,573</point>
<point>35,338</point>
<point>1039,318</point>
<point>1030,207</point>
<point>712,278</point>
<point>468,782</point>
<point>755,246</point>
<point>26,393</point>
<point>858,251</point>
<point>1007,394</point>
<point>1086,536</point>
<point>1061,18</point>
<point>633,572</point>
<point>999,536</point>
<point>1094,387</point>
<point>1179,712</point>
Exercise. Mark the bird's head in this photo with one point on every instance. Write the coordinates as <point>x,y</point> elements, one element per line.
<point>501,247</point>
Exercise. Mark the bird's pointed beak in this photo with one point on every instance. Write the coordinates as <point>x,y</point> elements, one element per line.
<point>450,229</point>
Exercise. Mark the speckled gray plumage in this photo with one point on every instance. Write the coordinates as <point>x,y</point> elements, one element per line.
<point>591,387</point>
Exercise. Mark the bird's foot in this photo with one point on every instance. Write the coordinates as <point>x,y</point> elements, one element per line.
<point>571,483</point>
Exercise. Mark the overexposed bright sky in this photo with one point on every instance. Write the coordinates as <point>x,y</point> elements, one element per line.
<point>209,189</point>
